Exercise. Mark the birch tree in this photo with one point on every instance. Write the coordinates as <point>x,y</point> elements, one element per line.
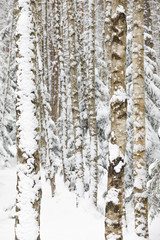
<point>150,55</point>
<point>107,34</point>
<point>63,90</point>
<point>40,81</point>
<point>75,101</point>
<point>139,160</point>
<point>7,82</point>
<point>118,108</point>
<point>152,111</point>
<point>155,14</point>
<point>28,174</point>
<point>54,59</point>
<point>91,106</point>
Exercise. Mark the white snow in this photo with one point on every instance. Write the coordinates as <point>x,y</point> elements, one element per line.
<point>25,199</point>
<point>60,219</point>
<point>119,95</point>
<point>119,166</point>
<point>121,9</point>
<point>7,201</point>
<point>138,148</point>
<point>112,195</point>
<point>29,185</point>
<point>113,236</point>
<point>26,88</point>
<point>114,152</point>
<point>159,132</point>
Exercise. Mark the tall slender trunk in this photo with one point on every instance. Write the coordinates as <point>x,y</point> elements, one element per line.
<point>148,32</point>
<point>75,102</point>
<point>155,13</point>
<point>40,85</point>
<point>82,56</point>
<point>140,172</point>
<point>107,34</point>
<point>63,93</point>
<point>54,64</point>
<point>118,107</point>
<point>80,45</point>
<point>28,170</point>
<point>91,107</point>
<point>59,51</point>
<point>149,52</point>
<point>46,85</point>
<point>48,130</point>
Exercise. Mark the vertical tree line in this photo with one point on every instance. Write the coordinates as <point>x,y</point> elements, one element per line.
<point>86,87</point>
<point>28,169</point>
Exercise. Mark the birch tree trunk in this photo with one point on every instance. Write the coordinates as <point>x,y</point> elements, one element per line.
<point>45,85</point>
<point>75,102</point>
<point>107,34</point>
<point>28,174</point>
<point>118,107</point>
<point>40,83</point>
<point>148,34</point>
<point>91,107</point>
<point>80,40</point>
<point>54,58</point>
<point>140,172</point>
<point>63,90</point>
<point>155,12</point>
<point>81,52</point>
<point>46,97</point>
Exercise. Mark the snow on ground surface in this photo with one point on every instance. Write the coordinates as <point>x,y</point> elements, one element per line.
<point>70,223</point>
<point>7,200</point>
<point>60,219</point>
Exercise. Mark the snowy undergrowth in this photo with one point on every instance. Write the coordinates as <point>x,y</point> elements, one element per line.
<point>60,219</point>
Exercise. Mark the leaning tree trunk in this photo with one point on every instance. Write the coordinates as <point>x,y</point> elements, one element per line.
<point>118,107</point>
<point>28,170</point>
<point>140,172</point>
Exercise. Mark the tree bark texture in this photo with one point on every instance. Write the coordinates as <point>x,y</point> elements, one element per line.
<point>139,159</point>
<point>28,170</point>
<point>118,108</point>
<point>91,107</point>
<point>75,102</point>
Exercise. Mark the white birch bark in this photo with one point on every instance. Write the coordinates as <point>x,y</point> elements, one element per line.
<point>91,106</point>
<point>107,34</point>
<point>63,90</point>
<point>118,108</point>
<point>139,159</point>
<point>75,102</point>
<point>28,174</point>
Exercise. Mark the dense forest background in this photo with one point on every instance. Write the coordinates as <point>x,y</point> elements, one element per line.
<point>80,118</point>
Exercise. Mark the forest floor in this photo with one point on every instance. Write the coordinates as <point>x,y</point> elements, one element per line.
<point>60,219</point>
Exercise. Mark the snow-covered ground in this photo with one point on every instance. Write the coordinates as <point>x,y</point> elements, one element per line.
<point>60,219</point>
<point>7,201</point>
